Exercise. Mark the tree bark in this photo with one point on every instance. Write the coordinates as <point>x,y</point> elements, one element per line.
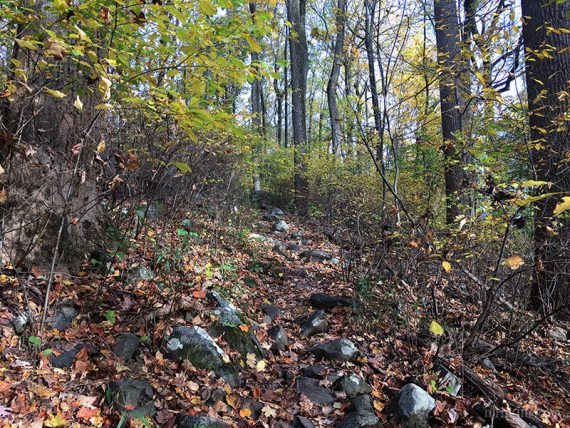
<point>296,10</point>
<point>340,19</point>
<point>448,40</point>
<point>548,76</point>
<point>256,109</point>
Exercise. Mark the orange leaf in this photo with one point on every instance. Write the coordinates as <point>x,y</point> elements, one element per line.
<point>199,294</point>
<point>245,413</point>
<point>87,413</point>
<point>244,328</point>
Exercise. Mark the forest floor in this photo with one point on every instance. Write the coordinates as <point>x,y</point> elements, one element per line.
<point>165,280</point>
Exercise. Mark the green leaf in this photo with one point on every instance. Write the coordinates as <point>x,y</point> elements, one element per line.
<point>183,167</point>
<point>111,316</point>
<point>435,328</point>
<point>47,352</point>
<point>34,340</point>
<point>181,232</point>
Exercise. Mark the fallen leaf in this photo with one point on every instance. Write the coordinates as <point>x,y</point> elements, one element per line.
<point>199,294</point>
<point>513,262</point>
<point>245,413</point>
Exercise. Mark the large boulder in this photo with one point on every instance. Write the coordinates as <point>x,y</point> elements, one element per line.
<point>132,398</point>
<point>316,323</point>
<point>339,349</point>
<point>311,389</point>
<point>199,421</point>
<point>197,346</point>
<point>411,407</point>
<point>325,301</point>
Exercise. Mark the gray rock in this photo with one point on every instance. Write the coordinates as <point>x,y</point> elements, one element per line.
<point>302,422</point>
<point>279,337</point>
<point>448,382</point>
<point>361,403</point>
<point>271,217</point>
<point>271,310</point>
<point>313,391</point>
<point>132,398</point>
<point>197,346</point>
<point>253,405</point>
<point>260,238</point>
<point>352,385</point>
<point>360,419</point>
<point>339,349</point>
<point>65,358</point>
<point>277,211</point>
<point>126,345</point>
<point>244,342</point>
<point>316,371</point>
<point>280,226</point>
<point>318,255</point>
<point>65,313</point>
<point>294,248</point>
<point>488,364</point>
<point>559,333</point>
<point>412,406</point>
<point>281,248</point>
<point>227,315</point>
<point>297,235</point>
<point>140,273</point>
<point>325,301</point>
<point>315,324</point>
<point>210,396</point>
<point>19,323</point>
<point>183,421</point>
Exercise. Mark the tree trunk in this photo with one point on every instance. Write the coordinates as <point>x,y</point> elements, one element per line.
<point>299,63</point>
<point>448,40</point>
<point>548,76</point>
<point>340,18</point>
<point>256,110</point>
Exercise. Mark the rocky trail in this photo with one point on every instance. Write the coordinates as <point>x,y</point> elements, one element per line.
<point>258,336</point>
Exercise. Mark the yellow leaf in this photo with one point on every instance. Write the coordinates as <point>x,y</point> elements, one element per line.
<point>232,400</point>
<point>55,421</point>
<point>78,104</point>
<point>54,93</point>
<point>435,328</point>
<point>513,262</point>
<point>245,413</point>
<point>446,266</point>
<point>379,406</point>
<point>534,183</point>
<point>562,206</point>
<point>101,147</point>
<point>105,87</point>
<point>261,365</point>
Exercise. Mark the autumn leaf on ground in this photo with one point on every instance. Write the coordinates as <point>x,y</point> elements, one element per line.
<point>446,266</point>
<point>55,421</point>
<point>199,294</point>
<point>245,413</point>
<point>513,262</point>
<point>436,328</point>
<point>87,413</point>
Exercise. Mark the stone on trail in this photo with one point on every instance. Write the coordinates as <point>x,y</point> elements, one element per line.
<point>19,323</point>
<point>313,391</point>
<point>316,371</point>
<point>302,422</point>
<point>199,421</point>
<point>65,313</point>
<point>132,398</point>
<point>315,324</point>
<point>352,385</point>
<point>280,226</point>
<point>339,349</point>
<point>126,345</point>
<point>271,311</point>
<point>197,346</point>
<point>361,403</point>
<point>66,355</point>
<point>325,301</point>
<point>361,419</point>
<point>279,337</point>
<point>281,248</point>
<point>318,255</point>
<point>411,406</point>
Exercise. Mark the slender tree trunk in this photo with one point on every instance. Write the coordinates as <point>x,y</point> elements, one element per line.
<point>286,88</point>
<point>548,78</point>
<point>448,40</point>
<point>256,110</point>
<point>299,64</point>
<point>340,19</point>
